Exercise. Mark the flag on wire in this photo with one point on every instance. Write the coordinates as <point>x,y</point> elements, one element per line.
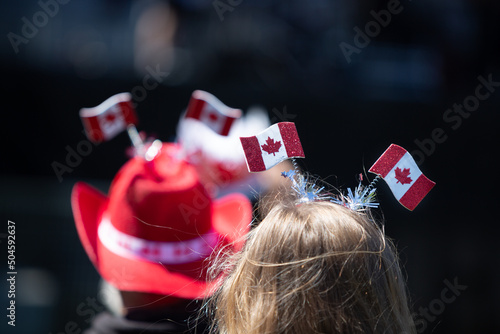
<point>105,121</point>
<point>208,109</point>
<point>273,145</point>
<point>397,167</point>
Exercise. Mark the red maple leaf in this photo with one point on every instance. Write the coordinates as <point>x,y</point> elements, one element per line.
<point>212,117</point>
<point>110,118</point>
<point>402,175</point>
<point>271,146</point>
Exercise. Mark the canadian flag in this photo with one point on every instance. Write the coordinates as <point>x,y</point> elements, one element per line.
<point>109,118</point>
<point>397,167</point>
<point>212,112</point>
<point>273,145</point>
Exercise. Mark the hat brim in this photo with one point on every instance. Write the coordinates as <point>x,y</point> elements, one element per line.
<point>231,217</point>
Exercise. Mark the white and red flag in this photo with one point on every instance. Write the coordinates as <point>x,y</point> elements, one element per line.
<point>397,167</point>
<point>208,109</point>
<point>111,117</point>
<point>273,145</point>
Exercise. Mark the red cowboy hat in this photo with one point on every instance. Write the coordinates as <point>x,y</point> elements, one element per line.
<point>158,226</point>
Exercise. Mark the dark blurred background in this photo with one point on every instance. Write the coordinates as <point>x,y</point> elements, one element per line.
<point>355,76</point>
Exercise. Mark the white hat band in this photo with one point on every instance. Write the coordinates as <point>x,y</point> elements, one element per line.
<point>178,252</point>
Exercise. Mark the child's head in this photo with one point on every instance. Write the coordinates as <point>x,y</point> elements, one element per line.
<point>315,267</point>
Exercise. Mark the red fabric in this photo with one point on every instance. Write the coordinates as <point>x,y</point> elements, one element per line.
<point>212,112</point>
<point>253,154</point>
<point>417,192</point>
<point>291,139</point>
<point>106,120</point>
<point>387,160</point>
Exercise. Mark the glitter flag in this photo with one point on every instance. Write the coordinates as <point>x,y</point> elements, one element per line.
<point>397,167</point>
<point>109,118</point>
<point>273,145</point>
<point>212,112</point>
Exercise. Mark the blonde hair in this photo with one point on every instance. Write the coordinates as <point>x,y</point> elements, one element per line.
<point>316,267</point>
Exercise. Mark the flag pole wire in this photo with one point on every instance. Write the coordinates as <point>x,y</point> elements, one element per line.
<point>135,137</point>
<point>140,149</point>
<point>372,184</point>
<point>295,165</point>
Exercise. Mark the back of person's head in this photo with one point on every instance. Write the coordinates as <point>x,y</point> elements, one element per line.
<point>153,235</point>
<point>314,267</point>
